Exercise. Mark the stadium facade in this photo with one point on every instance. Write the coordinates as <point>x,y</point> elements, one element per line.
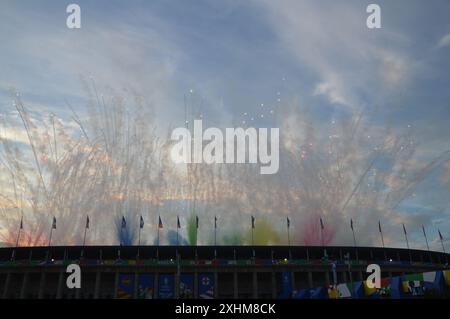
<point>237,272</point>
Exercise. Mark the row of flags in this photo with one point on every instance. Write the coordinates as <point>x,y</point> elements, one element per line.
<point>160,224</point>
<point>253,219</point>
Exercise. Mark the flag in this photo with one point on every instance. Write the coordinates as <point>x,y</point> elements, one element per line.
<point>379,226</point>
<point>54,223</point>
<point>351,224</point>
<point>344,290</point>
<point>178,222</point>
<point>215,221</point>
<point>160,224</point>
<point>87,222</point>
<point>21,222</point>
<point>440,235</point>
<point>288,222</point>
<point>321,223</point>
<point>141,223</point>
<point>253,221</point>
<point>124,222</point>
<point>196,221</point>
<point>404,229</point>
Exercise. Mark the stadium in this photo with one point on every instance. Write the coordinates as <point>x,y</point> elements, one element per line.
<point>234,272</point>
<point>224,150</point>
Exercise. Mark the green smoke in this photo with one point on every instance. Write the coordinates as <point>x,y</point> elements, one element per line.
<point>192,230</point>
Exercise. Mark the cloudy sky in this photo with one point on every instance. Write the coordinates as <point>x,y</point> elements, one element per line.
<point>237,55</point>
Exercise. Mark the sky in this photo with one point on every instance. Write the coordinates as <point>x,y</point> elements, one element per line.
<point>233,57</point>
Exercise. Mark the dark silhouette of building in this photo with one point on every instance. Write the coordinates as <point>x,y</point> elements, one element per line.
<point>189,271</point>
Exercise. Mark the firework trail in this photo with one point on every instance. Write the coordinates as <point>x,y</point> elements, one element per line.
<point>114,164</point>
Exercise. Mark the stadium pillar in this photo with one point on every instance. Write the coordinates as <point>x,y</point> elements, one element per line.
<point>98,279</point>
<point>42,285</point>
<point>116,284</point>
<point>216,284</point>
<point>360,275</point>
<point>274,285</point>
<point>6,286</point>
<point>255,284</point>
<point>136,283</point>
<point>195,284</point>
<point>156,285</point>
<point>293,285</point>
<point>78,291</point>
<point>23,289</point>
<point>176,289</point>
<point>310,279</point>
<point>59,289</point>
<point>327,278</point>
<point>344,276</point>
<point>235,285</point>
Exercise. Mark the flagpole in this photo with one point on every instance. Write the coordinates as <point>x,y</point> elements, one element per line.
<point>53,226</point>
<point>253,227</point>
<point>13,255</point>
<point>157,227</point>
<point>321,237</point>
<point>157,237</point>
<point>139,236</point>
<point>426,241</point>
<point>354,239</point>
<point>407,243</point>
<point>50,238</point>
<point>178,219</point>
<point>288,224</point>
<point>382,239</point>
<point>18,237</point>
<point>442,241</point>
<point>215,231</point>
<point>196,230</point>
<point>121,232</point>
<point>289,238</point>
<point>215,236</point>
<point>84,241</point>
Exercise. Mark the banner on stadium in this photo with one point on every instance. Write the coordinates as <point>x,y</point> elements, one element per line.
<point>166,286</point>
<point>186,286</point>
<point>286,285</point>
<point>206,285</point>
<point>125,287</point>
<point>145,286</point>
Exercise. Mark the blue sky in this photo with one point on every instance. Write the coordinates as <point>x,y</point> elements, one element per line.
<point>237,55</point>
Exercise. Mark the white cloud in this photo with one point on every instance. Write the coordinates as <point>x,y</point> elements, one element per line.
<point>444,41</point>
<point>335,43</point>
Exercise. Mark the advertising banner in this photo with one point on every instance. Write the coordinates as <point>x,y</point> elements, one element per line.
<point>206,285</point>
<point>125,288</point>
<point>186,286</point>
<point>145,286</point>
<point>166,286</point>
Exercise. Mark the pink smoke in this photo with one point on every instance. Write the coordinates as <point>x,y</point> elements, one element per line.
<point>312,234</point>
